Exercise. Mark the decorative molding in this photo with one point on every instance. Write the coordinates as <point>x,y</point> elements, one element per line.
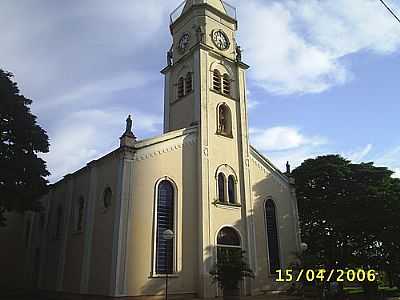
<point>164,148</point>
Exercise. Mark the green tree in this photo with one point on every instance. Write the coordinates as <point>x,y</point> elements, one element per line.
<point>349,213</point>
<point>22,172</point>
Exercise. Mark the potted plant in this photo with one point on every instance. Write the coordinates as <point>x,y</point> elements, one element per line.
<point>230,269</point>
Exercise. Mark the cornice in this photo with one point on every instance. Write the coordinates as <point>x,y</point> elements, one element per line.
<point>262,163</point>
<point>165,147</point>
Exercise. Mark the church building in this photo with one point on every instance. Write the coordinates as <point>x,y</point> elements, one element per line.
<point>101,232</point>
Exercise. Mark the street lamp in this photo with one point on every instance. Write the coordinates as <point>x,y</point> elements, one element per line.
<point>303,247</point>
<point>167,235</point>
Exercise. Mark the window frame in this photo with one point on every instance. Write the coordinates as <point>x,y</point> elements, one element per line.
<point>226,85</point>
<point>232,179</point>
<point>188,78</point>
<point>180,88</point>
<point>76,215</point>
<point>216,78</point>
<point>222,176</point>
<point>272,272</point>
<point>176,264</point>
<point>228,115</point>
<point>58,229</point>
<point>103,199</point>
<point>226,171</point>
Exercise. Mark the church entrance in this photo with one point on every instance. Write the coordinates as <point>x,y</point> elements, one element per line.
<point>228,245</point>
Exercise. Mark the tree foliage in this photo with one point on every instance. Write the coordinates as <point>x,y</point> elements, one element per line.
<point>230,269</point>
<point>22,172</point>
<point>349,213</point>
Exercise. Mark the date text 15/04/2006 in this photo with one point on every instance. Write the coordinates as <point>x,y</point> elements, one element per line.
<point>326,275</point>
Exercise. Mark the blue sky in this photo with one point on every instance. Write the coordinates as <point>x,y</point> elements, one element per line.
<point>323,77</point>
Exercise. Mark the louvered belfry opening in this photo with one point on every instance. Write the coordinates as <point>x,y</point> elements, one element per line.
<point>226,83</point>
<point>217,81</point>
<point>181,87</point>
<point>188,83</point>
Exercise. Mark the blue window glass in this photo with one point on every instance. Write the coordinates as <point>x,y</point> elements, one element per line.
<point>165,220</point>
<point>272,237</point>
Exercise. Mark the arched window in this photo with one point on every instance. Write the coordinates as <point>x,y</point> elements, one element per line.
<point>272,236</point>
<point>226,85</point>
<point>107,198</point>
<point>228,236</point>
<point>59,217</point>
<point>165,220</point>
<point>224,120</point>
<point>42,221</point>
<point>231,189</point>
<point>181,87</point>
<point>217,81</point>
<point>228,243</point>
<point>221,187</point>
<point>188,83</point>
<point>79,214</point>
<point>27,232</point>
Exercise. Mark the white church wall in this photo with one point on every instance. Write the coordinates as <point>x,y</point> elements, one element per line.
<point>175,160</point>
<point>267,185</point>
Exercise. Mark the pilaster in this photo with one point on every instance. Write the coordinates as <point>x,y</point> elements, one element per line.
<point>89,226</point>
<point>63,244</point>
<point>118,284</point>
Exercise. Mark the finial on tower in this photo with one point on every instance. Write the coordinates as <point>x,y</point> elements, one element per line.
<point>128,138</point>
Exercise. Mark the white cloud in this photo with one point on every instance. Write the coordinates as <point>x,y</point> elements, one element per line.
<point>251,103</point>
<point>97,90</point>
<point>88,134</point>
<point>302,43</point>
<point>358,155</point>
<point>391,159</point>
<point>283,138</point>
<point>282,144</point>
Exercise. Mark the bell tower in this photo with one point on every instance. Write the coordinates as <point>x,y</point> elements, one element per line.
<point>205,87</point>
<point>197,26</point>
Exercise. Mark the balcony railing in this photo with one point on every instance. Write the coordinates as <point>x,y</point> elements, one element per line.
<point>229,9</point>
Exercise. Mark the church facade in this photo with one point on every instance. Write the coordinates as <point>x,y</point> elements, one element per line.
<point>102,230</point>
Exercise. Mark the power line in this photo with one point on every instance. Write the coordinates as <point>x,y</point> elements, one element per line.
<point>390,10</point>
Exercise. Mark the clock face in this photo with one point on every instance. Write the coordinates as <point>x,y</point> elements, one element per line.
<point>220,40</point>
<point>184,41</point>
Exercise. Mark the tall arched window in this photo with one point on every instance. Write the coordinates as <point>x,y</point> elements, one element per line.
<point>226,85</point>
<point>217,81</point>
<point>59,218</point>
<point>272,236</point>
<point>188,83</point>
<point>221,187</point>
<point>231,189</point>
<point>107,198</point>
<point>79,214</point>
<point>165,220</point>
<point>181,87</point>
<point>224,120</point>
<point>228,243</point>
<point>27,232</point>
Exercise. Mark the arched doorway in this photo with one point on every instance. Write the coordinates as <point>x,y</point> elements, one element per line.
<point>228,248</point>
